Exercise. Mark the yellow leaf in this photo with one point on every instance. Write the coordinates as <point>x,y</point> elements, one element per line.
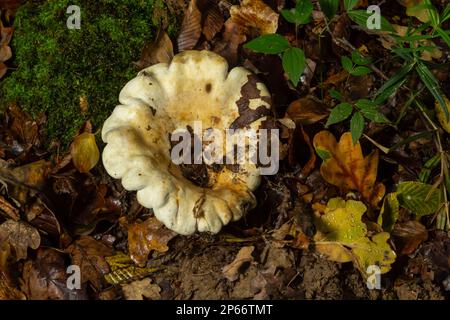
<point>440,114</point>
<point>345,166</point>
<point>84,151</point>
<point>421,14</point>
<point>342,237</point>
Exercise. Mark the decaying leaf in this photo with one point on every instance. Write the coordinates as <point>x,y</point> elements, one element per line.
<point>419,198</point>
<point>342,236</point>
<point>213,20</point>
<point>345,166</point>
<point>45,278</point>
<point>20,236</point>
<point>409,235</point>
<point>440,114</point>
<point>84,151</point>
<point>123,269</point>
<point>231,271</point>
<point>307,110</point>
<point>253,15</point>
<point>143,237</point>
<point>8,209</point>
<point>8,290</point>
<point>89,254</point>
<point>411,10</point>
<point>5,50</point>
<point>140,289</point>
<point>191,28</point>
<point>160,51</point>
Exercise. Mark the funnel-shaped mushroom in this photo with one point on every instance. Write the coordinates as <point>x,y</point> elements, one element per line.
<point>195,86</point>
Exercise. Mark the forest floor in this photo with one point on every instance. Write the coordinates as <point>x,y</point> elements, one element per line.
<point>362,120</point>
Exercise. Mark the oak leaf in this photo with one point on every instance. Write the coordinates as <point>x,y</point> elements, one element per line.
<point>20,236</point>
<point>345,166</point>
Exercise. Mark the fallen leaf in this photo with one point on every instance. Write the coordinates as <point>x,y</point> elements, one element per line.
<point>231,271</point>
<point>191,28</point>
<point>160,51</point>
<point>389,212</point>
<point>8,290</point>
<point>421,14</point>
<point>138,290</point>
<point>213,20</point>
<point>143,237</point>
<point>345,166</point>
<point>342,234</point>
<point>45,278</point>
<point>123,269</point>
<point>20,236</point>
<point>9,210</point>
<point>89,254</point>
<point>307,110</point>
<point>408,236</point>
<point>254,15</point>
<point>84,151</point>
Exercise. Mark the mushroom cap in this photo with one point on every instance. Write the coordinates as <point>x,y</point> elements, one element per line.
<point>195,86</point>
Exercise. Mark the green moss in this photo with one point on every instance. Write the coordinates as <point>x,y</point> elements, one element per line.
<point>56,66</point>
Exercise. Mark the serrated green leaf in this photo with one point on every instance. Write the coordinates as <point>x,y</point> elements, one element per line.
<point>371,111</point>
<point>361,17</point>
<point>329,7</point>
<point>389,212</point>
<point>360,71</point>
<point>357,126</point>
<point>294,62</point>
<point>419,198</point>
<point>339,113</point>
<point>269,43</point>
<point>347,64</point>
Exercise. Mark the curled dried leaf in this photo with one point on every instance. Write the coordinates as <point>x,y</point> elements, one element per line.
<point>307,110</point>
<point>160,51</point>
<point>231,271</point>
<point>20,236</point>
<point>254,15</point>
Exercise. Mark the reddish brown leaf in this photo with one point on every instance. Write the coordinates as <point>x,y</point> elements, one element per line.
<point>143,237</point>
<point>213,21</point>
<point>89,254</point>
<point>3,69</point>
<point>8,290</point>
<point>307,110</point>
<point>409,235</point>
<point>160,51</point>
<point>191,27</point>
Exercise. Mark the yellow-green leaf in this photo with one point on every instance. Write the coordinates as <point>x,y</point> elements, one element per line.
<point>440,114</point>
<point>419,198</point>
<point>389,212</point>
<point>84,151</point>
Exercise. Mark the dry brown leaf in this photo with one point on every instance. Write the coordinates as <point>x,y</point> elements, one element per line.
<point>191,28</point>
<point>89,254</point>
<point>254,15</point>
<point>231,271</point>
<point>160,51</point>
<point>20,236</point>
<point>307,110</point>
<point>138,290</point>
<point>84,151</point>
<point>7,288</point>
<point>409,235</point>
<point>3,69</point>
<point>213,21</point>
<point>345,166</point>
<point>9,210</point>
<point>143,237</point>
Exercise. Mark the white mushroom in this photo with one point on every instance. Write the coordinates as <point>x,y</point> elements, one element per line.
<point>195,86</point>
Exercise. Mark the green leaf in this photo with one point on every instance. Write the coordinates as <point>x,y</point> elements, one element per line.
<point>323,154</point>
<point>350,4</point>
<point>336,95</point>
<point>290,16</point>
<point>269,43</point>
<point>361,17</point>
<point>419,198</point>
<point>329,7</point>
<point>360,71</point>
<point>432,85</point>
<point>389,92</point>
<point>294,62</point>
<point>347,63</point>
<point>389,212</point>
<point>395,81</point>
<point>371,111</point>
<point>303,11</point>
<point>359,59</point>
<point>444,35</point>
<point>357,126</point>
<point>445,14</point>
<point>339,113</point>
